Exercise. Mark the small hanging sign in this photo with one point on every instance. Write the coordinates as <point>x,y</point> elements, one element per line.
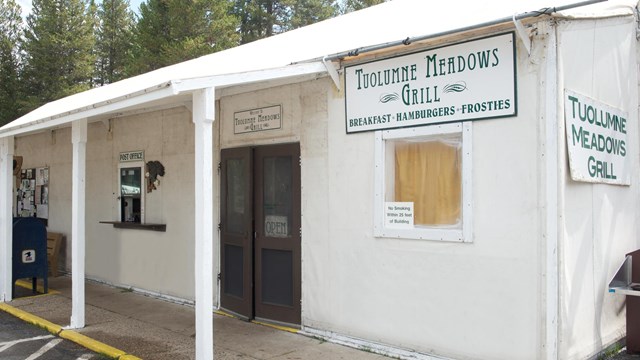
<point>597,140</point>
<point>276,226</point>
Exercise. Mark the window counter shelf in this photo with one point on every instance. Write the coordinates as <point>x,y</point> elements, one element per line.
<point>137,226</point>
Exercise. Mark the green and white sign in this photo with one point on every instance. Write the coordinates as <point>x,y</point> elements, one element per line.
<point>596,140</point>
<point>466,81</point>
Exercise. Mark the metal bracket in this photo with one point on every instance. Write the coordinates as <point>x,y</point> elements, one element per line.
<point>332,72</point>
<point>522,33</point>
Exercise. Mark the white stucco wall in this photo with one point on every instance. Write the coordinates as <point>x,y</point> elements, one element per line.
<point>464,301</point>
<point>160,262</point>
<point>597,59</point>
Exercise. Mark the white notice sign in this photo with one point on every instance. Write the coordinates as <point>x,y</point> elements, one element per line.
<point>398,215</point>
<point>276,226</point>
<point>268,118</point>
<point>28,256</point>
<point>596,140</point>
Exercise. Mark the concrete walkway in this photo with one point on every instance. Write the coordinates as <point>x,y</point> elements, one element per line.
<point>154,329</point>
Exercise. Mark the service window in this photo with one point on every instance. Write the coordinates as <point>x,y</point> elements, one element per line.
<point>423,183</point>
<point>132,192</point>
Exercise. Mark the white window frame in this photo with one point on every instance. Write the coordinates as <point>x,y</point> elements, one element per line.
<point>462,234</point>
<point>143,186</point>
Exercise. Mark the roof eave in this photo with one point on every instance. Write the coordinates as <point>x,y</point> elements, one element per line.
<point>162,91</point>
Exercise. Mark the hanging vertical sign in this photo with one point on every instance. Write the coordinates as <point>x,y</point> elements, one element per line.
<point>466,81</point>
<point>596,140</point>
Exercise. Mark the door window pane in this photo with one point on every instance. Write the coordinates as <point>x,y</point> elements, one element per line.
<point>277,196</point>
<point>236,211</point>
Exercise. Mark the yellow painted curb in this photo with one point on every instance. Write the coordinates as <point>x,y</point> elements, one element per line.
<point>70,335</point>
<point>222,313</point>
<point>279,327</point>
<point>40,288</point>
<point>91,344</point>
<point>32,319</point>
<point>129,357</point>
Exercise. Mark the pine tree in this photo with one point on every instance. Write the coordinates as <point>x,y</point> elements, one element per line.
<point>307,12</point>
<point>10,30</point>
<point>353,5</point>
<point>264,18</point>
<point>260,18</point>
<point>114,37</point>
<point>58,48</point>
<point>171,31</point>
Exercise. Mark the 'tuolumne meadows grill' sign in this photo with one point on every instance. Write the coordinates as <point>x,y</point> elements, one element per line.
<point>597,140</point>
<point>466,81</point>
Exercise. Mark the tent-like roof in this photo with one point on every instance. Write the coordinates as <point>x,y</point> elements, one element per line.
<point>289,54</point>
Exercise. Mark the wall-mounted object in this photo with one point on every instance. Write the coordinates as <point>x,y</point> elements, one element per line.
<point>154,169</point>
<point>33,193</point>
<point>17,165</point>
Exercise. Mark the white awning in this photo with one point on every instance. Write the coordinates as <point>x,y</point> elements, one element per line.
<point>271,58</point>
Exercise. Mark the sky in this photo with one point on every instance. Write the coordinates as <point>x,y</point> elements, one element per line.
<point>26,6</point>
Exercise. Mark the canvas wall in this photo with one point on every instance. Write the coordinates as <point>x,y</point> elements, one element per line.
<point>597,58</point>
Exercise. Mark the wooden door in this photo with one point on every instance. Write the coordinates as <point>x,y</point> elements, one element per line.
<point>236,233</point>
<point>260,233</point>
<point>277,233</point>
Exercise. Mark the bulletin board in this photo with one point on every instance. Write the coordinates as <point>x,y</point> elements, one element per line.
<point>33,193</point>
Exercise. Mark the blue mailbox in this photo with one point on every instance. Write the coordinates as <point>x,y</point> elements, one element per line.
<point>29,251</point>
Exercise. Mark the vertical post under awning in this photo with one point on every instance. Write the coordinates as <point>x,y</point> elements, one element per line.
<point>79,141</point>
<point>203,117</point>
<point>6,217</point>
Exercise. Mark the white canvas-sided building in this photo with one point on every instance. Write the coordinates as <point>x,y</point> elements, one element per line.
<point>449,180</point>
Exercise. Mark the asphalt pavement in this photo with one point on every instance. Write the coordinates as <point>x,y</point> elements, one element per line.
<point>22,341</point>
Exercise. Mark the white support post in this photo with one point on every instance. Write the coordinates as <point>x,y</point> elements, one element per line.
<point>203,117</point>
<point>6,217</point>
<point>79,141</point>
<point>552,161</point>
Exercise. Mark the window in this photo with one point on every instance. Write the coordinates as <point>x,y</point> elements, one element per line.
<point>131,192</point>
<point>423,183</point>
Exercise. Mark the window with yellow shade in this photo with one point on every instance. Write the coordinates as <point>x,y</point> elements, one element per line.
<point>423,183</point>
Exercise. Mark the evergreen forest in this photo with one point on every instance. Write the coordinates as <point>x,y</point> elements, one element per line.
<point>67,46</point>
